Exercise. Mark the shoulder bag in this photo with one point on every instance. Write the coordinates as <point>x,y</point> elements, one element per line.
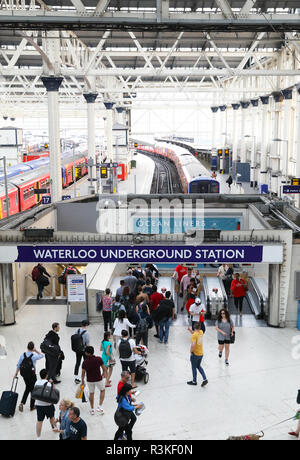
<point>46,393</point>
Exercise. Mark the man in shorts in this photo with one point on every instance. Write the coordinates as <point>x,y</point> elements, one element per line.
<point>91,369</point>
<point>43,409</point>
<point>127,350</point>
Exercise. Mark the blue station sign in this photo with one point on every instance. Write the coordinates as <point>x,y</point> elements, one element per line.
<point>127,254</point>
<point>291,189</point>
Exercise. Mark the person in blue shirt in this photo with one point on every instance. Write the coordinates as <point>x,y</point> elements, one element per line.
<point>64,420</point>
<point>29,374</point>
<point>125,404</point>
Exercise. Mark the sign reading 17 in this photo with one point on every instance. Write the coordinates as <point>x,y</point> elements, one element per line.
<point>46,199</point>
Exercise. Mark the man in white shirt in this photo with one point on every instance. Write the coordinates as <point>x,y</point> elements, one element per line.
<point>221,271</point>
<point>43,409</point>
<point>195,311</point>
<point>127,349</point>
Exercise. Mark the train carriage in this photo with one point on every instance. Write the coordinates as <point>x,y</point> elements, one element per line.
<point>193,175</point>
<point>13,199</point>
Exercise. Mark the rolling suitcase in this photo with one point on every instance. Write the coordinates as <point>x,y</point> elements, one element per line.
<point>9,400</point>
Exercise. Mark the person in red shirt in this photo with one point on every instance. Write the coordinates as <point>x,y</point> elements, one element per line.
<point>125,376</point>
<point>155,300</point>
<point>238,288</point>
<point>180,270</point>
<point>91,370</point>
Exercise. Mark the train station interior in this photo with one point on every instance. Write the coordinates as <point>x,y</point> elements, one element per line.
<point>161,139</point>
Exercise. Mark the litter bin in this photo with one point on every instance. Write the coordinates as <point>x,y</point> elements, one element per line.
<point>133,164</point>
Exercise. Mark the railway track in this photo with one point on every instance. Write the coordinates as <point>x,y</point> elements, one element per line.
<point>165,177</point>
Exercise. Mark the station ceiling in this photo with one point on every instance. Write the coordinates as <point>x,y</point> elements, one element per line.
<point>163,43</point>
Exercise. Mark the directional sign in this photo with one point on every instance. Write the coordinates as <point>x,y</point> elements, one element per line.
<point>291,189</point>
<point>110,165</point>
<point>46,199</point>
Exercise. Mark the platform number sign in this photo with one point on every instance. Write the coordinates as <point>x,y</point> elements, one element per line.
<point>46,199</point>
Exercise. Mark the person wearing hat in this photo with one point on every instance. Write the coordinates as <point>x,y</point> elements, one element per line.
<point>195,312</point>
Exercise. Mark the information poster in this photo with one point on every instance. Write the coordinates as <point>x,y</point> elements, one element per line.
<point>76,288</point>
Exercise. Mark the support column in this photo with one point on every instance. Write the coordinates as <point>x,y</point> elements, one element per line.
<point>214,128</point>
<point>52,85</point>
<point>286,126</point>
<point>7,313</point>
<point>223,125</point>
<point>254,111</point>
<point>276,146</point>
<point>214,157</point>
<point>245,105</point>
<point>264,139</point>
<point>297,141</point>
<point>108,130</point>
<point>90,100</point>
<point>235,108</point>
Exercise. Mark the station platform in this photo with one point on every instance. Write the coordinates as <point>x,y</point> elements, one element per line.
<point>258,388</point>
<point>139,180</point>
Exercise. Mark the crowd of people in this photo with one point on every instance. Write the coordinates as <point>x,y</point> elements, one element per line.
<point>137,306</point>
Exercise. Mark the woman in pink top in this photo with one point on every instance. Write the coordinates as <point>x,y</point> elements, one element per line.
<point>107,302</point>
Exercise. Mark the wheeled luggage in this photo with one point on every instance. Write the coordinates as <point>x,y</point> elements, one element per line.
<point>9,400</point>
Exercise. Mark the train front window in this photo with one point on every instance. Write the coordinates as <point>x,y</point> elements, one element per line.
<point>198,187</point>
<point>214,188</point>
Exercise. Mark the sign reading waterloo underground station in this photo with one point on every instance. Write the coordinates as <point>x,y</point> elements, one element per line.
<point>127,254</point>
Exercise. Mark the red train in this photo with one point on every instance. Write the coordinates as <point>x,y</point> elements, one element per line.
<point>21,188</point>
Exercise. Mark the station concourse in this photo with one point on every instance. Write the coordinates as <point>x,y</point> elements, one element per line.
<point>165,133</point>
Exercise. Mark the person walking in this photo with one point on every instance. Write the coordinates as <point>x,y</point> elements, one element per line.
<point>178,274</point>
<point>121,323</point>
<point>84,342</point>
<point>297,431</point>
<point>39,275</point>
<point>54,352</point>
<point>155,299</point>
<point>196,310</point>
<point>107,356</point>
<point>63,419</point>
<point>116,307</point>
<point>197,354</point>
<point>125,403</point>
<point>229,182</point>
<point>107,302</point>
<point>78,428</point>
<point>225,328</point>
<point>185,281</point>
<point>164,314</point>
<point>127,350</point>
<point>145,323</point>
<point>91,370</point>
<point>119,291</point>
<point>130,281</point>
<point>43,409</point>
<point>27,368</point>
<point>228,278</point>
<point>238,288</point>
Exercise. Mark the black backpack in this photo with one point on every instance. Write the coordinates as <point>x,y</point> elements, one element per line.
<point>27,368</point>
<point>125,349</point>
<point>142,326</point>
<point>77,342</point>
